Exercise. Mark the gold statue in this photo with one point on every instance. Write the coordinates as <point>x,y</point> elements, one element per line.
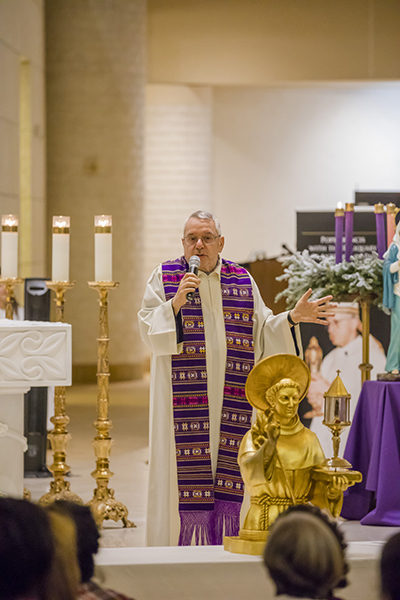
<point>280,459</point>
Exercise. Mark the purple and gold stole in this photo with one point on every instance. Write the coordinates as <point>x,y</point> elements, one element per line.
<point>207,508</point>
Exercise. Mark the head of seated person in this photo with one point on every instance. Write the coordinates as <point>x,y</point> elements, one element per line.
<point>26,549</point>
<point>87,534</point>
<point>303,556</point>
<point>63,580</point>
<point>390,569</point>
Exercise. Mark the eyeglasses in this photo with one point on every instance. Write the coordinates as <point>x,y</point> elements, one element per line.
<point>207,239</point>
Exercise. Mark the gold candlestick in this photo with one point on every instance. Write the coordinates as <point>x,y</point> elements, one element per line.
<point>10,283</point>
<point>103,504</point>
<point>59,437</point>
<point>365,366</point>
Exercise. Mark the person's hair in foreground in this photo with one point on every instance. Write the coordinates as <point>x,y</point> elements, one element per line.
<point>26,549</point>
<point>63,580</point>
<point>390,569</point>
<point>334,527</point>
<point>87,535</point>
<point>303,556</point>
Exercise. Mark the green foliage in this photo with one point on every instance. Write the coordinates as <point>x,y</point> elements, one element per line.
<point>347,281</point>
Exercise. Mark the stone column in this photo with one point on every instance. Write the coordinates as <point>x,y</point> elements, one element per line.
<point>95,61</point>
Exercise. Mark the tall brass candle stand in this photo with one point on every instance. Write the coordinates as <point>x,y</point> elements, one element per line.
<point>59,437</point>
<point>103,504</point>
<point>9,284</point>
<point>365,306</point>
<point>365,366</point>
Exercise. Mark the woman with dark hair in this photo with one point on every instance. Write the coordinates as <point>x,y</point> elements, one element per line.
<point>87,539</point>
<point>26,550</point>
<point>87,534</point>
<point>390,569</point>
<point>304,556</point>
<point>64,577</point>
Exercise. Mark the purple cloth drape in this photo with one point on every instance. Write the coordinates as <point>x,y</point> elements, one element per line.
<point>373,447</point>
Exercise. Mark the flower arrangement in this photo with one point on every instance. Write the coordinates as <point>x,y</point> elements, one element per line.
<point>358,279</point>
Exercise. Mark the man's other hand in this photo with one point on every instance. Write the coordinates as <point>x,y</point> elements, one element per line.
<point>315,311</point>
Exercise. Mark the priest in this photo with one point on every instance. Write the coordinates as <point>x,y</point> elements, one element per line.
<point>205,331</point>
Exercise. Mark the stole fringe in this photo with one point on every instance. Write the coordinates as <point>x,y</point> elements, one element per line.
<point>208,527</point>
<point>197,523</point>
<point>226,519</point>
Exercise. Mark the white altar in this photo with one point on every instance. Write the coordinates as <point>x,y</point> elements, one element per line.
<point>32,354</point>
<point>211,573</point>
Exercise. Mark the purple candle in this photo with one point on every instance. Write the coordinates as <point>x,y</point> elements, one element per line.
<point>339,225</point>
<point>380,229</point>
<point>348,230</point>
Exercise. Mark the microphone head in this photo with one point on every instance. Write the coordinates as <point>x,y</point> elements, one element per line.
<point>194,261</point>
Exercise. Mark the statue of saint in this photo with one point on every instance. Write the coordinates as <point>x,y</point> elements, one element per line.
<point>391,298</point>
<point>280,459</point>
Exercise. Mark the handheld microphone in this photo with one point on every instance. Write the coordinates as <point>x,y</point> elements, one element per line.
<point>194,263</point>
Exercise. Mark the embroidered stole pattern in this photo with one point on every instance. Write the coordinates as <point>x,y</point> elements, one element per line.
<point>206,508</point>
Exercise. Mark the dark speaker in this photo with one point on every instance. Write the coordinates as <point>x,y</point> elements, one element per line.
<point>37,300</point>
<point>37,308</point>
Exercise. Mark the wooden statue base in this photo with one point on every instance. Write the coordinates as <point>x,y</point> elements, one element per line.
<point>236,545</point>
<point>388,377</point>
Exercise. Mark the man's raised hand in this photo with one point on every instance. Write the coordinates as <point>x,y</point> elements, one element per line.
<point>313,311</point>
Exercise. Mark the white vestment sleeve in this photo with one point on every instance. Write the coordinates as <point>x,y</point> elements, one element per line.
<point>157,320</point>
<point>271,332</point>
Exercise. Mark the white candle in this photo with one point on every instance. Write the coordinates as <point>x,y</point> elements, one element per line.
<point>60,256</point>
<point>9,246</point>
<point>102,248</point>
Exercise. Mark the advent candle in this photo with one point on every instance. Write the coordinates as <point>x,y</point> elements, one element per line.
<point>380,229</point>
<point>339,223</point>
<point>390,222</point>
<point>9,246</point>
<point>348,230</point>
<point>102,248</point>
<point>60,257</point>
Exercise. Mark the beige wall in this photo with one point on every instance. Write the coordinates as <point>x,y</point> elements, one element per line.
<point>276,150</point>
<point>95,59</point>
<point>178,167</point>
<point>22,128</point>
<point>300,115</point>
<point>267,42</point>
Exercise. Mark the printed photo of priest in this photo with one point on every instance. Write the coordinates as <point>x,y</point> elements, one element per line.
<point>345,335</point>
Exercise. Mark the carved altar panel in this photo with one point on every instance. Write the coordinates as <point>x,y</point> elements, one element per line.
<point>35,353</point>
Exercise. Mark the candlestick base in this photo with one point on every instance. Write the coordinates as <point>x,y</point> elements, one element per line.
<point>105,507</point>
<point>59,490</point>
